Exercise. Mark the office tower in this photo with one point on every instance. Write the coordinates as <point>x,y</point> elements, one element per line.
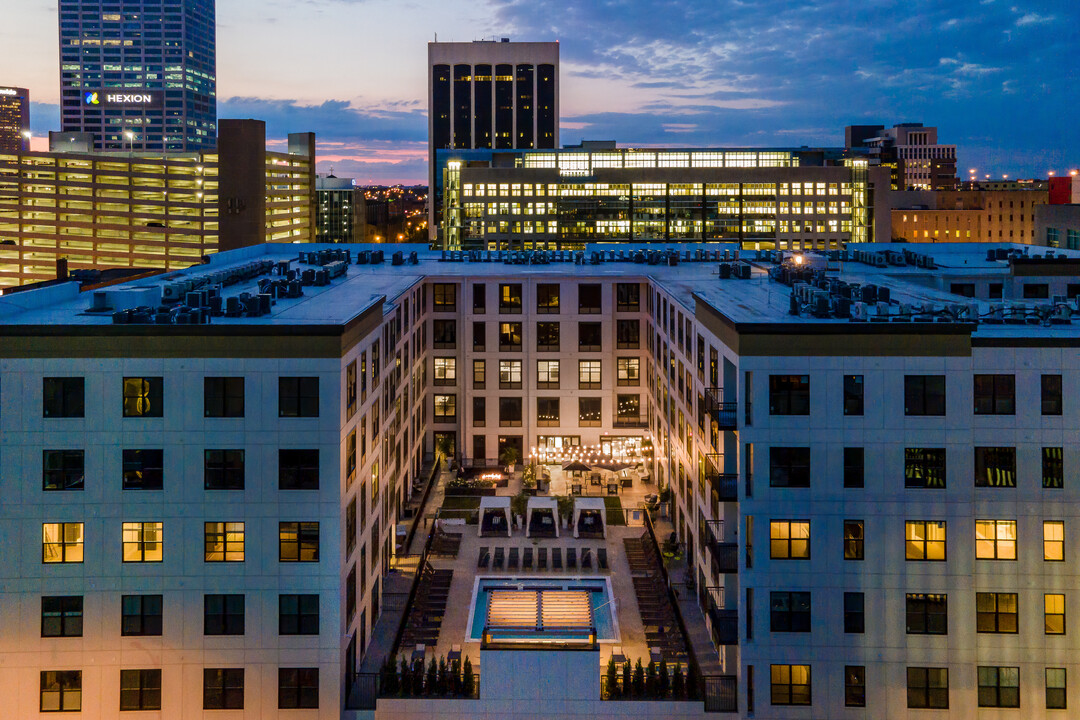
<point>489,95</point>
<point>339,210</point>
<point>911,150</point>
<point>140,74</point>
<point>14,119</point>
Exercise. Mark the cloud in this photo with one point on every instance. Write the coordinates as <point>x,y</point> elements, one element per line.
<point>334,119</point>
<point>1033,19</point>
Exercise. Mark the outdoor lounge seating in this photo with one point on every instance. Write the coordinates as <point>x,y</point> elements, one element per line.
<point>500,558</point>
<point>586,559</point>
<point>541,558</point>
<point>512,563</point>
<point>543,514</point>
<point>495,516</point>
<point>527,558</point>
<point>556,558</point>
<point>571,558</point>
<point>428,608</point>
<point>590,518</point>
<point>601,558</point>
<point>483,558</point>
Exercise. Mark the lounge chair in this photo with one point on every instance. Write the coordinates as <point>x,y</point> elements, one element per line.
<point>455,653</point>
<point>541,558</point>
<point>571,558</point>
<point>586,559</point>
<point>527,558</point>
<point>601,558</point>
<point>483,558</point>
<point>618,654</point>
<point>512,563</point>
<point>500,557</point>
<point>556,558</point>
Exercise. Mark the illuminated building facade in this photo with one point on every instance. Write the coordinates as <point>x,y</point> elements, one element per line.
<point>911,150</point>
<point>139,74</point>
<point>14,119</point>
<point>967,215</point>
<point>339,206</point>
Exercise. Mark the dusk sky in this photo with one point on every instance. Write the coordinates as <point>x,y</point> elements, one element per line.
<point>999,78</point>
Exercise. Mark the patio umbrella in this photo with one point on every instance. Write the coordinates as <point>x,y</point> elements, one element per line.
<point>612,466</point>
<point>576,466</point>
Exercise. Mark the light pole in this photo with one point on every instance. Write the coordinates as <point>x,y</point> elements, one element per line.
<point>27,134</point>
<point>130,138</point>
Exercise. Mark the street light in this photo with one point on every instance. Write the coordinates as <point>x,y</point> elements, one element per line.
<point>27,134</point>
<point>130,138</point>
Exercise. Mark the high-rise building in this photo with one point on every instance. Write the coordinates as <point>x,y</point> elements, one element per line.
<point>140,74</point>
<point>338,206</point>
<point>14,119</point>
<point>490,95</point>
<point>911,150</point>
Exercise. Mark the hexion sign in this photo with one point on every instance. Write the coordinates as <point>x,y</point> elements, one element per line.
<point>105,97</point>
<point>8,91</point>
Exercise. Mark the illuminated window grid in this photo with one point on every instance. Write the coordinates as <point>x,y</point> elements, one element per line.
<point>142,542</point>
<point>224,541</point>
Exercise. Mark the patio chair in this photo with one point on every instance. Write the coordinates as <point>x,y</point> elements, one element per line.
<point>556,558</point>
<point>500,558</point>
<point>541,558</point>
<point>586,559</point>
<point>454,654</point>
<point>601,558</point>
<point>512,562</point>
<point>571,558</point>
<point>527,558</point>
<point>618,654</point>
<point>613,488</point>
<point>483,558</point>
<point>575,488</point>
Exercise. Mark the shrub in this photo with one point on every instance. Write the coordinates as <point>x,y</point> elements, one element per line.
<point>639,680</point>
<point>406,678</point>
<point>612,679</point>
<point>627,679</point>
<point>678,686</point>
<point>431,682</point>
<point>663,682</point>
<point>468,686</point>
<point>650,680</point>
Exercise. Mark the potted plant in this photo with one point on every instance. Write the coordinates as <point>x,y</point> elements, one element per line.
<point>509,458</point>
<point>444,446</point>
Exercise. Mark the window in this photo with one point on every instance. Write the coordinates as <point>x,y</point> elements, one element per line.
<point>510,412</point>
<point>547,337</point>
<point>445,297</point>
<point>350,526</point>
<point>1053,540</point>
<point>1053,468</point>
<point>853,540</point>
<point>1055,689</point>
<point>298,542</point>
<point>924,394</point>
<point>924,468</point>
<point>853,467</point>
<point>479,298</point>
<point>1035,291</point>
<point>142,542</point>
<point>995,467</point>
<point>589,299</point>
<point>1051,394</point>
<point>627,297</point>
<point>789,539</point>
<point>298,614</point>
<point>298,397</point>
<point>350,390</point>
<point>995,539</point>
<point>61,691</point>
<point>62,542</point>
<point>927,614</point>
<point>510,298</point>
<point>589,412</point>
<point>444,334</point>
<point>547,374</point>
<point>140,615</point>
<point>547,411</point>
<point>927,688</point>
<point>223,689</point>
<point>479,374</point>
<point>140,689</point>
<point>143,397</point>
<point>627,334</point>
<point>789,612</point>
<point>789,467</point>
<point>224,541</point>
<point>790,684</point>
<point>223,469</point>
<point>479,411</point>
<point>298,469</point>
<point>628,408</point>
<point>999,687</point>
<point>479,336</point>
<point>1054,613</point>
<point>510,337</point>
<point>995,395</point>
<point>445,408</point>
<point>445,371</point>
<point>509,374</point>
<point>350,453</point>
<point>628,371</point>
<point>589,336</point>
<point>63,397</point>
<point>298,688</point>
<point>855,686</point>
<point>854,612</point>
<point>589,375</point>
<point>789,394</point>
<point>223,614</point>
<point>61,616</point>
<point>143,469</point>
<point>62,469</point>
<point>853,394</point>
<point>223,397</point>
<point>547,299</point>
<point>350,592</point>
<point>925,540</point>
<point>996,612</point>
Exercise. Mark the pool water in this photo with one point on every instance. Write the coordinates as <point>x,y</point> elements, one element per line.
<point>599,590</point>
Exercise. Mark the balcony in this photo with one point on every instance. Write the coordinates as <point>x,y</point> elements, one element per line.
<point>723,410</point>
<point>632,421</point>
<point>723,623</point>
<point>725,485</point>
<point>725,555</point>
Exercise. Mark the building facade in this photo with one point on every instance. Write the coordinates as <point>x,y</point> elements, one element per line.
<point>967,215</point>
<point>340,204</point>
<point>140,75</point>
<point>14,119</point>
<point>1058,226</point>
<point>911,150</point>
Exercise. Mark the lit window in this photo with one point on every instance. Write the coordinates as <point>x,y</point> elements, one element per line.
<point>142,542</point>
<point>61,691</point>
<point>790,684</point>
<point>925,540</point>
<point>789,539</point>
<point>995,539</point>
<point>445,371</point>
<point>1054,613</point>
<point>1053,540</point>
<point>298,542</point>
<point>224,541</point>
<point>143,397</point>
<point>62,542</point>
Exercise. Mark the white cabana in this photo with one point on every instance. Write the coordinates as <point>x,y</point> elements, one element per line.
<point>536,509</point>
<point>587,504</point>
<point>498,507</point>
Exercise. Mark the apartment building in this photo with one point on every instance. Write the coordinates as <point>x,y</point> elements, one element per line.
<point>994,216</point>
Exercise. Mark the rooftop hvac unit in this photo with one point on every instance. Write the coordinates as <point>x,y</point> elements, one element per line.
<point>858,313</point>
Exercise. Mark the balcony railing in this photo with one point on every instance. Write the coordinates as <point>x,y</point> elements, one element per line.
<point>725,555</point>
<point>724,410</point>
<point>632,421</point>
<point>724,623</point>
<point>725,485</point>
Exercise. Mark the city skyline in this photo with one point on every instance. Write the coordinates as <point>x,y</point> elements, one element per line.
<point>767,75</point>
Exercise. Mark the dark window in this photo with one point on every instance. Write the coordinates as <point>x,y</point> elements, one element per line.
<point>789,394</point>
<point>996,612</point>
<point>924,394</point>
<point>789,612</point>
<point>999,687</point>
<point>927,688</point>
<point>510,412</point>
<point>627,297</point>
<point>140,689</point>
<point>298,397</point>
<point>223,689</point>
<point>61,616</point>
<point>1036,291</point>
<point>350,390</point>
<point>298,614</point>
<point>444,334</point>
<point>62,469</point>
<point>924,468</point>
<point>965,289</point>
<point>1051,394</point>
<point>589,336</point>
<point>855,685</point>
<point>143,469</point>
<point>854,612</point>
<point>223,469</point>
<point>510,298</point>
<point>547,336</point>
<point>445,297</point>
<point>547,299</point>
<point>350,592</point>
<point>298,469</point>
<point>479,336</point>
<point>63,397</point>
<point>853,394</point>
<point>927,614</point>
<point>140,615</point>
<point>224,396</point>
<point>61,691</point>
<point>223,614</point>
<point>298,542</point>
<point>628,334</point>
<point>547,411</point>
<point>853,467</point>
<point>479,298</point>
<point>994,291</point>
<point>1055,689</point>
<point>589,412</point>
<point>995,467</point>
<point>510,336</point>
<point>853,540</point>
<point>1053,469</point>
<point>589,299</point>
<point>350,527</point>
<point>479,411</point>
<point>143,396</point>
<point>995,394</point>
<point>789,467</point>
<point>298,688</point>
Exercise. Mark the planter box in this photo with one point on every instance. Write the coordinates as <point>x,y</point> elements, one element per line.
<point>469,492</point>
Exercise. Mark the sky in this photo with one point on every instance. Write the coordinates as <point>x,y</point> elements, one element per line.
<point>998,78</point>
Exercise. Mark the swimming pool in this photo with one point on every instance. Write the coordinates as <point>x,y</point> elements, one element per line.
<point>598,588</point>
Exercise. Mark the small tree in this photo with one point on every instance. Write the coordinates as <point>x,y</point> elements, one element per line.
<point>431,682</point>
<point>612,679</point>
<point>627,679</point>
<point>650,680</point>
<point>418,678</point>
<point>455,678</point>
<point>444,677</point>
<point>388,678</point>
<point>691,683</point>
<point>509,455</point>
<point>678,684</point>
<point>468,685</point>
<point>663,682</point>
<point>406,678</point>
<point>639,680</point>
